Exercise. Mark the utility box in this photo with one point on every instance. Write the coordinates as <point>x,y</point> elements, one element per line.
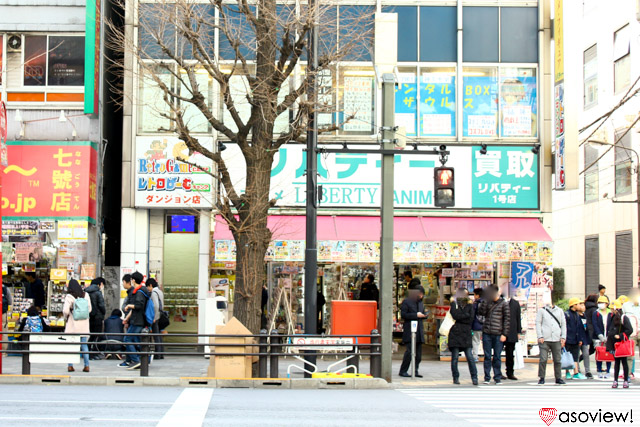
<point>354,318</point>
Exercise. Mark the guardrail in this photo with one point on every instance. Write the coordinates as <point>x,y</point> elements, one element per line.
<point>268,347</point>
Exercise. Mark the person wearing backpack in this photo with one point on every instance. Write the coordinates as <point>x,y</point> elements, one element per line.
<point>33,322</point>
<point>137,320</point>
<point>98,311</point>
<point>76,311</point>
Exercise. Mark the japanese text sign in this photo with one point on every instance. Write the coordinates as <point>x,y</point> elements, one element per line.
<point>163,181</point>
<point>50,179</point>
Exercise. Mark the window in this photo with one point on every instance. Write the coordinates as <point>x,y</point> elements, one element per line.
<point>480,34</point>
<point>480,102</point>
<point>152,107</point>
<point>590,75</point>
<point>624,263</point>
<point>591,185</point>
<point>407,31</point>
<point>623,163</point>
<point>518,102</point>
<point>438,34</point>
<point>354,21</point>
<point>621,59</point>
<point>519,34</point>
<point>54,60</point>
<point>591,265</point>
<point>357,100</point>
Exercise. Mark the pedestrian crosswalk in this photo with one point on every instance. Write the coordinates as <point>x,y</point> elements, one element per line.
<point>521,405</point>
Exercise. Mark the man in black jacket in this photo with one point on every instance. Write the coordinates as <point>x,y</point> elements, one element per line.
<point>494,331</point>
<point>515,328</point>
<point>98,311</point>
<point>37,290</point>
<point>412,309</point>
<point>412,282</point>
<point>136,304</point>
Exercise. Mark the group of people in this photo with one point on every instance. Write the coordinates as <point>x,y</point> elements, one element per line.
<point>84,312</point>
<point>494,322</point>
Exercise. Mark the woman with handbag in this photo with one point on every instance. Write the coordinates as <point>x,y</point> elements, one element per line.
<point>461,311</point>
<point>601,318</point>
<point>618,342</point>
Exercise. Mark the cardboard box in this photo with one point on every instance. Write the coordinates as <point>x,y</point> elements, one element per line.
<point>231,366</point>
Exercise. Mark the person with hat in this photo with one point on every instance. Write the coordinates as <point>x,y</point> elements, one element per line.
<point>587,342</point>
<point>575,332</point>
<point>619,326</point>
<point>631,309</point>
<point>601,318</point>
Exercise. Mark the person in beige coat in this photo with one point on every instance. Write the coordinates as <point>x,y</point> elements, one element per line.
<point>77,326</point>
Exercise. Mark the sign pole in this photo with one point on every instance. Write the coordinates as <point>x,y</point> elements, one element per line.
<point>3,164</point>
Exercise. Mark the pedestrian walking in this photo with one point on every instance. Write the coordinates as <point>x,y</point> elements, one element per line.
<point>136,321</point>
<point>76,311</point>
<point>476,325</point>
<point>587,348</point>
<point>412,309</point>
<point>600,321</point>
<point>494,331</point>
<point>460,339</point>
<point>618,330</point>
<point>157,296</point>
<point>515,329</point>
<point>98,312</point>
<point>631,309</point>
<point>551,329</point>
<point>575,333</point>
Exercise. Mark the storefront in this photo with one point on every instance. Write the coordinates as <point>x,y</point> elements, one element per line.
<point>49,216</point>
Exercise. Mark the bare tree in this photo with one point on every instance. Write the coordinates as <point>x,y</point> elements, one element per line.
<point>259,79</point>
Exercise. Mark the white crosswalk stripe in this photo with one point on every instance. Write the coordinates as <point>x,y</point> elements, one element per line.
<point>519,405</point>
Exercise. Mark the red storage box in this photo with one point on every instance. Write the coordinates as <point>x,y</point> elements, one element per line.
<point>354,318</point>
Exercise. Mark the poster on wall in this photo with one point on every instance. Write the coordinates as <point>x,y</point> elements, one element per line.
<point>516,251</point>
<point>351,252</point>
<point>485,252</point>
<point>521,280</point>
<point>282,250</point>
<point>223,250</point>
<point>425,251</point>
<point>324,251</point>
<point>296,250</point>
<point>518,103</point>
<point>407,103</point>
<point>338,250</point>
<point>28,251</point>
<point>271,252</point>
<point>545,251</point>
<point>71,255</point>
<point>480,106</point>
<point>501,251</point>
<point>369,251</point>
<point>358,102</point>
<point>470,251</point>
<point>19,228</point>
<point>168,176</point>
<point>455,251</point>
<point>438,104</point>
<point>76,231</point>
<point>412,254</point>
<point>441,251</point>
<point>530,251</point>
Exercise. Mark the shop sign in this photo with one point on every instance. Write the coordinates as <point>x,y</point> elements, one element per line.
<point>4,161</point>
<point>58,274</point>
<point>47,226</point>
<point>50,179</point>
<point>19,228</point>
<point>162,180</point>
<point>521,279</point>
<point>75,231</point>
<point>327,343</point>
<point>441,311</point>
<point>505,178</point>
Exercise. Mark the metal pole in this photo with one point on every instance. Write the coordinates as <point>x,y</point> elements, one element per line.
<point>374,360</point>
<point>638,219</point>
<point>274,348</point>
<point>385,324</point>
<point>262,359</point>
<point>311,250</point>
<point>413,350</point>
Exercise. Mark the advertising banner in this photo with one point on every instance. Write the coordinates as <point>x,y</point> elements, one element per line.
<point>50,179</point>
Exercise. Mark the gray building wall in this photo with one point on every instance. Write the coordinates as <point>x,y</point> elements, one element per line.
<point>42,15</point>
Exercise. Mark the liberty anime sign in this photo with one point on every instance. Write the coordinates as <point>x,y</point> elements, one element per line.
<point>504,178</point>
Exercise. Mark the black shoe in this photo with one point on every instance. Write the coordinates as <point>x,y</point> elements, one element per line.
<point>541,381</point>
<point>498,382</point>
<point>560,381</point>
<point>589,375</point>
<point>456,381</point>
<point>486,381</point>
<point>404,374</point>
<point>512,378</point>
<point>474,381</point>
<point>418,375</point>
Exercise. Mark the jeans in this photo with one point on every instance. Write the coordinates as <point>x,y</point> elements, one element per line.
<point>130,341</point>
<point>599,367</point>
<point>158,348</point>
<point>476,341</point>
<point>555,348</point>
<point>585,359</point>
<point>509,351</point>
<point>83,347</point>
<point>406,360</point>
<point>492,344</point>
<point>470,361</point>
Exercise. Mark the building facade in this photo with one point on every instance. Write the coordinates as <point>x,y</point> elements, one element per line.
<point>473,76</point>
<point>595,227</point>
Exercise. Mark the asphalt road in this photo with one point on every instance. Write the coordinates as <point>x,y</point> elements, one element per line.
<point>442,406</point>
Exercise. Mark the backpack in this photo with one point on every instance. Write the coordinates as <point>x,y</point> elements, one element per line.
<point>80,309</point>
<point>33,324</point>
<point>149,309</point>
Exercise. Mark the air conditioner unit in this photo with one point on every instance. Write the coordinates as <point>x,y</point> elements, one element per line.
<point>14,43</point>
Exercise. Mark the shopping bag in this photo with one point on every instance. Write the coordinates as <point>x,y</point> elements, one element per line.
<point>446,325</point>
<point>518,358</point>
<point>602,355</point>
<point>567,360</point>
<point>624,348</point>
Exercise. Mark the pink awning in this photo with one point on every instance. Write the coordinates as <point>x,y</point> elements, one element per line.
<point>406,229</point>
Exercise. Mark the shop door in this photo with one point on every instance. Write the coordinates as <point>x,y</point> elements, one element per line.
<point>592,265</point>
<point>624,263</point>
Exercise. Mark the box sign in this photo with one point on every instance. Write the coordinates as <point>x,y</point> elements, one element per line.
<point>504,178</point>
<point>50,179</point>
<point>163,181</point>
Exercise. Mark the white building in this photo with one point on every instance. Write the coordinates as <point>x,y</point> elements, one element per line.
<point>595,227</point>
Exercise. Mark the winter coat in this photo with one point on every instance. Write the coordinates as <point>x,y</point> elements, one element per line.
<point>460,332</point>
<point>515,321</point>
<point>586,336</point>
<point>6,299</point>
<point>369,292</point>
<point>97,302</point>
<point>113,325</point>
<point>496,317</point>
<point>138,298</point>
<point>590,307</point>
<point>547,327</point>
<point>575,329</point>
<point>478,320</point>
<point>598,324</point>
<point>158,302</point>
<point>409,311</point>
<point>74,326</point>
<point>126,300</point>
<point>38,294</point>
<point>624,328</point>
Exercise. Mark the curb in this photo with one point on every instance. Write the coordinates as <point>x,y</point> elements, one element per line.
<point>257,383</point>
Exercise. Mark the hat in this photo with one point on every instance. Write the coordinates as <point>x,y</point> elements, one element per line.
<point>603,299</point>
<point>574,301</point>
<point>623,299</point>
<point>617,304</point>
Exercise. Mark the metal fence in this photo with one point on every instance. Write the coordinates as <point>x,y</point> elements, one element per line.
<point>267,347</point>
